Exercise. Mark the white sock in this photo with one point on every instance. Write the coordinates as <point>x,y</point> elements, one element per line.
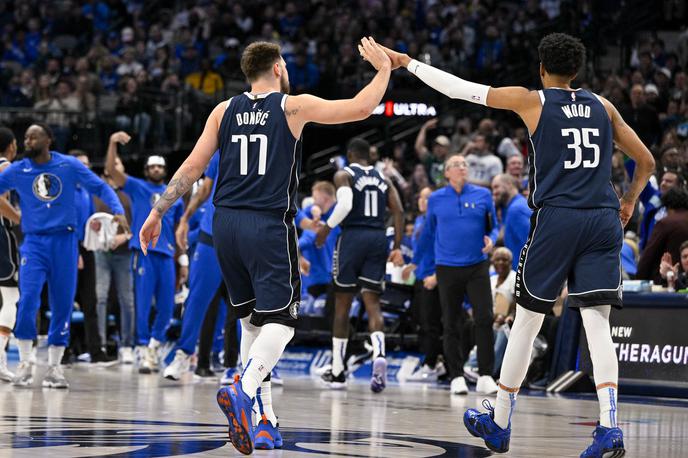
<point>378,339</point>
<point>24,349</point>
<point>526,326</point>
<point>154,344</point>
<point>264,354</point>
<point>605,365</point>
<point>264,401</point>
<point>249,333</point>
<point>338,354</point>
<point>8,312</point>
<point>55,355</point>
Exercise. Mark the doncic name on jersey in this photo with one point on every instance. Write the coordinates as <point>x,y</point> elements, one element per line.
<point>47,187</point>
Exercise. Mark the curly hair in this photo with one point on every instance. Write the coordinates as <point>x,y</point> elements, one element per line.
<point>676,198</point>
<point>561,54</point>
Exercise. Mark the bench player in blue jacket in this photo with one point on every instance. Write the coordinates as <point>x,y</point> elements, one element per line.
<point>154,275</point>
<point>576,229</point>
<point>46,182</point>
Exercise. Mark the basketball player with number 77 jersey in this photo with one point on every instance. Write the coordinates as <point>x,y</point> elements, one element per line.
<point>576,229</point>
<point>258,134</point>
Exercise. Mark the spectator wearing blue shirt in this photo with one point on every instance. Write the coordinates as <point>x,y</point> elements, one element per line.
<point>154,274</point>
<point>462,222</point>
<point>426,299</point>
<point>46,182</point>
<point>318,268</point>
<point>86,282</point>
<point>515,214</point>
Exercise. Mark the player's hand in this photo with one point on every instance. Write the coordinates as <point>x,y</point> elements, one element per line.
<point>321,235</point>
<point>150,231</point>
<point>406,273</point>
<point>373,53</point>
<point>396,257</point>
<point>430,282</point>
<point>626,210</point>
<point>181,235</point>
<point>121,220</point>
<point>488,245</point>
<point>398,59</point>
<point>304,266</point>
<point>120,137</point>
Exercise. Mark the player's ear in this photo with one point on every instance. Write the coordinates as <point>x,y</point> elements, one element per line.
<point>542,70</point>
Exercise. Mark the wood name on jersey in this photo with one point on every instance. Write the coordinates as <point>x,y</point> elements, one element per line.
<point>576,111</point>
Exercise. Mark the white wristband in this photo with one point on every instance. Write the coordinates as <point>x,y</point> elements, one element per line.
<point>448,84</point>
<point>183,260</point>
<point>345,201</point>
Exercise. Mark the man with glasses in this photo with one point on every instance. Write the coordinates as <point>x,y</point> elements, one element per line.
<point>462,225</point>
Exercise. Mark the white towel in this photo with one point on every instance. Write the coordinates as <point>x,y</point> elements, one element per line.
<point>100,240</point>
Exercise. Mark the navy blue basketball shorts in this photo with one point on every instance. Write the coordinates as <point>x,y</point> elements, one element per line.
<point>258,256</point>
<point>9,257</point>
<point>578,246</point>
<point>360,260</point>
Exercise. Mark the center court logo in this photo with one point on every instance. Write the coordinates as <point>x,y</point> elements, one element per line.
<point>47,187</point>
<point>143,438</point>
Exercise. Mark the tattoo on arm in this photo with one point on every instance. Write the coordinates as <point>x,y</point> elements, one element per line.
<point>178,186</point>
<point>291,112</point>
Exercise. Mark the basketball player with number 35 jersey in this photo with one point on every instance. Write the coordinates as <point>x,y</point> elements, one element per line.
<point>258,134</point>
<point>576,229</point>
<point>360,257</point>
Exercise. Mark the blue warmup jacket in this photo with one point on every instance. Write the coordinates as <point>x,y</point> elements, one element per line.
<point>458,222</point>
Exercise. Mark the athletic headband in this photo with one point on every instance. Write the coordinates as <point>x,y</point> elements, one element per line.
<point>156,160</point>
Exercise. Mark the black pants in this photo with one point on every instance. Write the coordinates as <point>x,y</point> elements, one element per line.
<point>426,302</point>
<point>205,344</point>
<point>86,297</point>
<point>453,284</point>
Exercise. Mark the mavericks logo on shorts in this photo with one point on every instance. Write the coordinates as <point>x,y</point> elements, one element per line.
<point>294,310</point>
<point>47,187</point>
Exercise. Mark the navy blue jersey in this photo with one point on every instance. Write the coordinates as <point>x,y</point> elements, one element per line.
<point>259,157</point>
<point>571,152</point>
<point>370,198</point>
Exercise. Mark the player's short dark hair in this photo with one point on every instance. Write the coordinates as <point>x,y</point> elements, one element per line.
<point>561,54</point>
<point>46,128</point>
<point>6,138</point>
<point>675,198</point>
<point>359,148</point>
<point>258,58</point>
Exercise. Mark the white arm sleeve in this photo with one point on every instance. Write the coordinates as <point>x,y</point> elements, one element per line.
<point>448,84</point>
<point>345,200</point>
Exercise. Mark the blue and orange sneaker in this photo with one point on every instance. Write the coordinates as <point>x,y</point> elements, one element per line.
<point>482,425</point>
<point>267,437</point>
<point>237,407</point>
<point>606,443</point>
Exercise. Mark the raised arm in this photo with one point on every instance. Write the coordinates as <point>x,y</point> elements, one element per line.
<point>520,100</point>
<point>187,174</point>
<point>420,146</point>
<point>629,142</point>
<point>118,176</point>
<point>301,109</point>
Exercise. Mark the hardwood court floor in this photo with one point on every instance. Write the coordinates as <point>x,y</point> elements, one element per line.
<point>115,412</point>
